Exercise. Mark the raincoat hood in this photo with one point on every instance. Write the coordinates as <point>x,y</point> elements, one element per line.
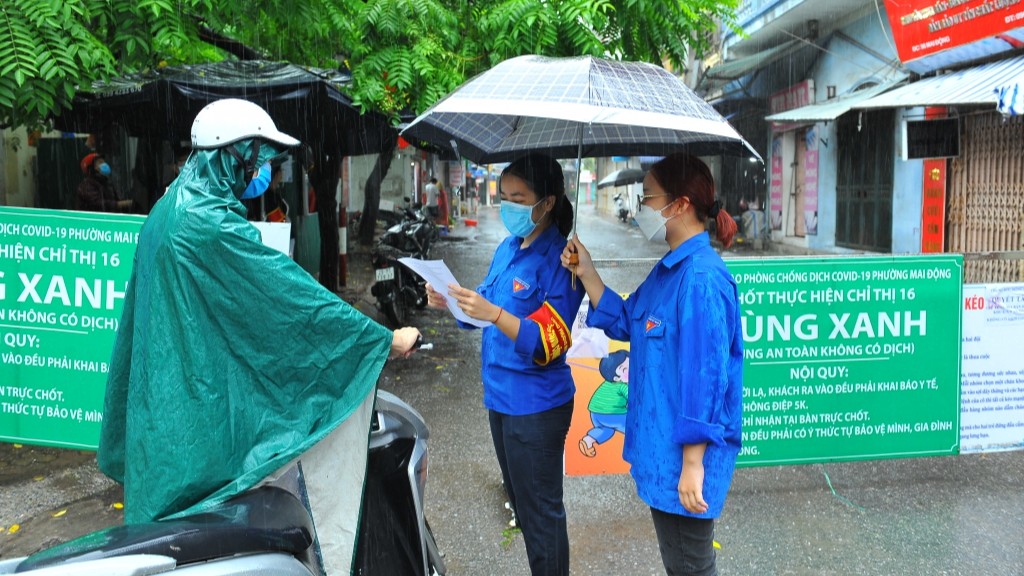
<point>219,174</point>
<point>230,359</point>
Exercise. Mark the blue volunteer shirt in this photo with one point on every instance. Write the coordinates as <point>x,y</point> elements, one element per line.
<point>685,373</point>
<point>530,375</point>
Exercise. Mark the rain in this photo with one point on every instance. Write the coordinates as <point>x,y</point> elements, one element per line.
<point>868,152</point>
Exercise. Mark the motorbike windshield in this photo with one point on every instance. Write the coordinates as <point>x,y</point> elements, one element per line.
<point>230,359</point>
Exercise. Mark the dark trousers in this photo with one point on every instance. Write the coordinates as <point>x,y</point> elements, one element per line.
<point>687,544</point>
<point>530,450</point>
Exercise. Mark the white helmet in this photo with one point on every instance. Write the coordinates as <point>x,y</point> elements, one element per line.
<point>226,121</point>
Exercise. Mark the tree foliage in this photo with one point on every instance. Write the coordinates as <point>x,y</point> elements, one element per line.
<point>404,55</point>
<point>50,48</point>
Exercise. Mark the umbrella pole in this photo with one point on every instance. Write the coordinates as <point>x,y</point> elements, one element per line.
<point>574,259</point>
<point>579,170</point>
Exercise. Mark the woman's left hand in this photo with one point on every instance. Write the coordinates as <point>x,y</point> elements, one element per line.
<point>691,493</point>
<point>474,305</point>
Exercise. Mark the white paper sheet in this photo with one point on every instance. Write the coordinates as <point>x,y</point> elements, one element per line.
<point>439,276</point>
<point>276,235</point>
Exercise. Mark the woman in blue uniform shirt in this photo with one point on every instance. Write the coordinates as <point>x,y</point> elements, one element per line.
<point>528,388</point>
<point>686,359</point>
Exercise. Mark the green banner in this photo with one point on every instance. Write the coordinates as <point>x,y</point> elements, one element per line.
<point>845,358</point>
<point>852,358</point>
<point>62,281</point>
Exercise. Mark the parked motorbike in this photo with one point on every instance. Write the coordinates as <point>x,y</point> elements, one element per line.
<point>620,207</point>
<point>267,530</point>
<point>396,288</point>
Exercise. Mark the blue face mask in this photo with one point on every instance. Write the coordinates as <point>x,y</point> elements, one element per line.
<point>104,169</point>
<point>518,218</point>
<point>259,184</point>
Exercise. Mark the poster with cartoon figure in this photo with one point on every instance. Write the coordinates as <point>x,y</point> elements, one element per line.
<point>600,369</point>
<point>608,403</point>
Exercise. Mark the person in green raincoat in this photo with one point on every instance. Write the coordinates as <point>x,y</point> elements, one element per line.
<point>230,361</point>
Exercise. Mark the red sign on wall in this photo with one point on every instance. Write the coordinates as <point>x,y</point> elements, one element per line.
<point>933,201</point>
<point>933,207</point>
<point>924,27</point>
<point>796,96</point>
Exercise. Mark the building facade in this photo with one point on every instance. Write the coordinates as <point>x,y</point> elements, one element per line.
<point>879,124</point>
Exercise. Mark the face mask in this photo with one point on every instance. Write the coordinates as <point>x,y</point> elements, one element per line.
<point>104,169</point>
<point>652,223</point>
<point>518,219</point>
<point>259,184</point>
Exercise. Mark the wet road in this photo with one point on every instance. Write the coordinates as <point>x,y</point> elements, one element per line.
<point>959,515</point>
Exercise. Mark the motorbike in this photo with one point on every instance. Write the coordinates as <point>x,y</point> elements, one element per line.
<point>267,530</point>
<point>622,211</point>
<point>396,288</point>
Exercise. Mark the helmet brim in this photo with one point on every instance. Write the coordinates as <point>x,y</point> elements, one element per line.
<point>276,137</point>
<point>282,139</point>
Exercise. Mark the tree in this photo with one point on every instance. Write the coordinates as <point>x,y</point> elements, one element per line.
<point>404,55</point>
<point>407,54</point>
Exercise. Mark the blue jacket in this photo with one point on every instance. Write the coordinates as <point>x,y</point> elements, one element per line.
<point>685,373</point>
<point>530,376</point>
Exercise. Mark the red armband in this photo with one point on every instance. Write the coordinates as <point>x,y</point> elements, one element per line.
<point>554,333</point>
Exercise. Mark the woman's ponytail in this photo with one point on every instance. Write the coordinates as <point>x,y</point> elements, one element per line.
<point>563,216</point>
<point>725,228</point>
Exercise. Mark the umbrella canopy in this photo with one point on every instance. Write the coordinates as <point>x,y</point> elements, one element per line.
<point>575,107</point>
<point>306,103</point>
<point>622,178</point>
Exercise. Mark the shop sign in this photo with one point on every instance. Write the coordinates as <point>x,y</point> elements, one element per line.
<point>796,96</point>
<point>924,27</point>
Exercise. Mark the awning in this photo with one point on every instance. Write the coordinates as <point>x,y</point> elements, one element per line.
<point>971,86</point>
<point>834,108</point>
<point>733,69</point>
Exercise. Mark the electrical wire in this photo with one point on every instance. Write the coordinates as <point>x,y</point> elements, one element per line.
<point>878,10</point>
<point>827,51</point>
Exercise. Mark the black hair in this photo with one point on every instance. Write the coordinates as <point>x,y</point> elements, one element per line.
<point>610,363</point>
<point>545,177</point>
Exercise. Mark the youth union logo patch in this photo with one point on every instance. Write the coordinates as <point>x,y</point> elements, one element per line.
<point>652,322</point>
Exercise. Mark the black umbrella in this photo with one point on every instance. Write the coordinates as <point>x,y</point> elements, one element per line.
<point>304,102</point>
<point>622,178</point>
<point>575,107</point>
<point>572,108</point>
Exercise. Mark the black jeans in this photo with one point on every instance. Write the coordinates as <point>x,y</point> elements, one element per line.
<point>687,544</point>
<point>530,449</point>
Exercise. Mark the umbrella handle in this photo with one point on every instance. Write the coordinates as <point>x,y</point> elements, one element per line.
<point>574,260</point>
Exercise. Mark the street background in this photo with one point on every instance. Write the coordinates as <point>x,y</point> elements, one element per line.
<point>960,515</point>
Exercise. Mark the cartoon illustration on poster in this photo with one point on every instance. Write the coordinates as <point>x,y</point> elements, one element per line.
<point>607,404</point>
<point>600,369</point>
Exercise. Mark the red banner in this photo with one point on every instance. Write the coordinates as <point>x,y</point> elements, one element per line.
<point>924,27</point>
<point>933,207</point>
<point>796,96</point>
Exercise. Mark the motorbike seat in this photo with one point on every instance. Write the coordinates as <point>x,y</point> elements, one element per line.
<point>265,519</point>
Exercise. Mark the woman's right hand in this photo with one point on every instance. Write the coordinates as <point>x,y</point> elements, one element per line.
<point>584,268</point>
<point>435,299</point>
